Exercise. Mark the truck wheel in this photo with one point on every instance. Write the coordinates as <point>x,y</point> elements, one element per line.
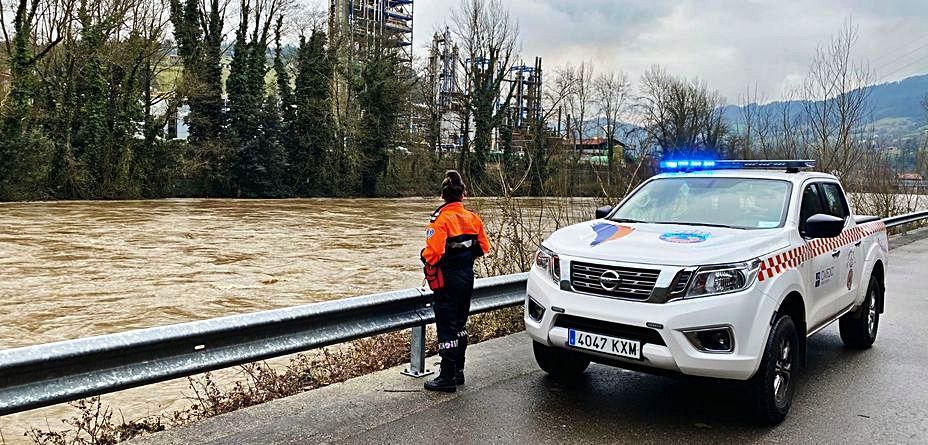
<point>858,328</point>
<point>560,363</point>
<point>775,381</point>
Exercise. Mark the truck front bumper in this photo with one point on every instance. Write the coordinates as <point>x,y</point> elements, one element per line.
<point>748,314</point>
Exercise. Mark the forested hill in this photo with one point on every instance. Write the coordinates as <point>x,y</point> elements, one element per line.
<point>896,105</point>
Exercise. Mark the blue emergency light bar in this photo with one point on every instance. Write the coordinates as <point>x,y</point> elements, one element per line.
<point>685,165</point>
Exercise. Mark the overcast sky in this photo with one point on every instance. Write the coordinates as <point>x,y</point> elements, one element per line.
<point>730,44</point>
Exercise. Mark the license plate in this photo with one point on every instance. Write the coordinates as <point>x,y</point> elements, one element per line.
<point>604,344</point>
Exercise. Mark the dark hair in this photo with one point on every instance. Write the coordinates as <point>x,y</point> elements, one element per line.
<point>453,188</point>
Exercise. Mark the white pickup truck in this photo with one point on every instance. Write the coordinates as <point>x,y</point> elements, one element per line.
<point>722,269</point>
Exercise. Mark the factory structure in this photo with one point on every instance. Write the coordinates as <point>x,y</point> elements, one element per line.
<point>448,85</point>
<point>446,92</point>
<point>525,110</point>
<point>362,22</point>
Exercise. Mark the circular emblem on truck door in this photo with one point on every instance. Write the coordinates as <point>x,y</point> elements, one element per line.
<point>610,280</point>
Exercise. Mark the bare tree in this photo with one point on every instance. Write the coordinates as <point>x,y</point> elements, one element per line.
<point>837,103</point>
<point>611,91</point>
<point>487,36</point>
<point>752,126</point>
<point>681,115</point>
<point>579,101</point>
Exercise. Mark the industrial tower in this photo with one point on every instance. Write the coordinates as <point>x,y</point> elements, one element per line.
<point>525,104</point>
<point>524,112</point>
<point>363,21</point>
<point>446,92</point>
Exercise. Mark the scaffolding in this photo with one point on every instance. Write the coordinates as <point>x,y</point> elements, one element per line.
<point>364,21</point>
<point>525,105</point>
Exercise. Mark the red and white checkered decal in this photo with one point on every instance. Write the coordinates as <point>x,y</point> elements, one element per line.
<point>780,262</point>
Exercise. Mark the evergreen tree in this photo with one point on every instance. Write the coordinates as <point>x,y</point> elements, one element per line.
<point>24,149</point>
<point>248,128</point>
<point>262,161</point>
<point>380,98</point>
<point>91,140</point>
<point>245,85</point>
<point>312,129</point>
<point>199,44</point>
<point>100,115</point>
<point>284,87</point>
<point>198,32</point>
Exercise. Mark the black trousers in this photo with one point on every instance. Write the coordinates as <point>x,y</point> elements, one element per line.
<point>452,306</point>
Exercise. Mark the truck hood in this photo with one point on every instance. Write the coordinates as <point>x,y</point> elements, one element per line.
<point>664,244</point>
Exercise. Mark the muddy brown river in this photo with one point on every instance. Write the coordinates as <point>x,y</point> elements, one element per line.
<point>76,269</point>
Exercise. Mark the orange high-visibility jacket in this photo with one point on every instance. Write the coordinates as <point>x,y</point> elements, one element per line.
<point>454,227</point>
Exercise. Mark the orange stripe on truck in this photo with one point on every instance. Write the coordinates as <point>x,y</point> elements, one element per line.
<point>780,262</point>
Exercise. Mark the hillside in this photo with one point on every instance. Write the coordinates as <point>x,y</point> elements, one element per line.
<point>897,108</point>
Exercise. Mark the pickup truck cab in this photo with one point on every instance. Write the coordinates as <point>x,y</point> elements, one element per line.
<point>719,271</point>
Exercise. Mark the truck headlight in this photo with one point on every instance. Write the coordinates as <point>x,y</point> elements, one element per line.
<point>549,262</point>
<point>723,279</point>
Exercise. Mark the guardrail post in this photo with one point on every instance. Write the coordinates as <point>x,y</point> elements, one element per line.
<point>417,353</point>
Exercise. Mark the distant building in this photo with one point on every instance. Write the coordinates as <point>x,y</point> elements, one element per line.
<point>892,152</point>
<point>912,181</point>
<point>597,149</point>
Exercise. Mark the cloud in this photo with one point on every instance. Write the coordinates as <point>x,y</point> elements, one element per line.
<point>732,45</point>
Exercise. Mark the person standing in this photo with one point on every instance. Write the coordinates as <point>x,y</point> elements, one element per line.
<point>454,239</point>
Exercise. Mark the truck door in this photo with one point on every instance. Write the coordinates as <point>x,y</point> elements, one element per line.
<point>819,268</point>
<point>847,250</point>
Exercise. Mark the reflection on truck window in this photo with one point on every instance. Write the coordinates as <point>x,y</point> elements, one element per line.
<point>834,200</point>
<point>742,203</point>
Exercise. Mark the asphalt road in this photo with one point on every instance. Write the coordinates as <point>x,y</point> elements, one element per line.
<point>844,396</point>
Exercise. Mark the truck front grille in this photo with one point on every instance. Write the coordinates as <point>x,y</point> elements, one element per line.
<point>633,284</point>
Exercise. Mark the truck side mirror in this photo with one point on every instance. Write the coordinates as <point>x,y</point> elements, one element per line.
<point>603,212</point>
<point>821,225</point>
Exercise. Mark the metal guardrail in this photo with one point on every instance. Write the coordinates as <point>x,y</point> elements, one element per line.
<point>41,375</point>
<point>904,220</point>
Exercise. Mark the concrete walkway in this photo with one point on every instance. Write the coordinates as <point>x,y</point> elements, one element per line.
<point>878,395</point>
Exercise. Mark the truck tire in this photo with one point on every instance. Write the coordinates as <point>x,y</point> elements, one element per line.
<point>858,328</point>
<point>774,383</point>
<point>560,363</point>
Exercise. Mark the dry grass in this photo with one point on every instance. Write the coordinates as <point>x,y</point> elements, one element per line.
<point>94,425</point>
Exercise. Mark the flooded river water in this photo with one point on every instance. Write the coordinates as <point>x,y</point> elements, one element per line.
<point>75,269</point>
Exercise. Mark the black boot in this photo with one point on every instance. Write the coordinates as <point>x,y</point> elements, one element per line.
<point>462,346</point>
<point>445,380</point>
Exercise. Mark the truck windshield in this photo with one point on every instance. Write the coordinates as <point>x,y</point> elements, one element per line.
<point>743,203</point>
